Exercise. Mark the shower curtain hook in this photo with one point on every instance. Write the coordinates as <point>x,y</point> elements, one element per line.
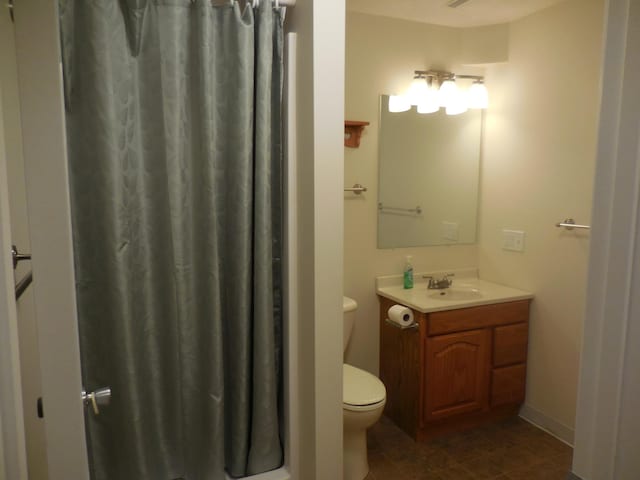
<point>277,3</point>
<point>256,3</point>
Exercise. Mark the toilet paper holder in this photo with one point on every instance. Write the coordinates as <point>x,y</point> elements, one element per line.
<point>413,326</point>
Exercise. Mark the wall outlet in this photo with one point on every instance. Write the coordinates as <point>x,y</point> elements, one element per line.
<point>513,240</point>
<point>450,231</point>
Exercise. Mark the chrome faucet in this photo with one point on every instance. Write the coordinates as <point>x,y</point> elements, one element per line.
<point>439,284</point>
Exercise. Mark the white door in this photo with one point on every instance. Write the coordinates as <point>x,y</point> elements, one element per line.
<point>26,324</point>
<point>41,104</point>
<point>12,449</point>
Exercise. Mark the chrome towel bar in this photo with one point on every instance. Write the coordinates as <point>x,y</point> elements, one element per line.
<point>570,224</point>
<point>17,256</point>
<point>22,285</point>
<point>357,189</point>
<point>417,210</point>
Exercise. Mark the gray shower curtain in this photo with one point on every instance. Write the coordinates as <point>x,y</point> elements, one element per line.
<point>175,164</point>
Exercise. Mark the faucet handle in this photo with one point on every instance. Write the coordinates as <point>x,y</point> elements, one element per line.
<point>432,281</point>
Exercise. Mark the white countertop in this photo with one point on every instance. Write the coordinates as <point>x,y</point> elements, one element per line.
<point>420,298</point>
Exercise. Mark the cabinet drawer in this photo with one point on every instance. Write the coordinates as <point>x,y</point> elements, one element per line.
<point>510,344</point>
<point>478,317</point>
<point>508,385</point>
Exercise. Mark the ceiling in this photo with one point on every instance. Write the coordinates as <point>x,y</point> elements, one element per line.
<point>473,13</point>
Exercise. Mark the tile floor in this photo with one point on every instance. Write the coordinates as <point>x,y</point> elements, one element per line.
<point>509,450</point>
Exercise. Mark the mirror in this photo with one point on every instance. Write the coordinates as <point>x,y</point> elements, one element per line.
<point>428,173</point>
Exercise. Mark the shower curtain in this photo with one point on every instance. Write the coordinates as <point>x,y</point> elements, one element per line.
<point>175,163</point>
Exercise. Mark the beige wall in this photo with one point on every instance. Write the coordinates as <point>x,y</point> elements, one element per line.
<point>382,54</point>
<point>538,168</point>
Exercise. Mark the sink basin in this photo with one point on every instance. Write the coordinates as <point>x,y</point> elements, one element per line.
<point>456,293</point>
<point>467,291</point>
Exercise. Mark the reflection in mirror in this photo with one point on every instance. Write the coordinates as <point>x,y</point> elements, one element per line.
<point>428,177</point>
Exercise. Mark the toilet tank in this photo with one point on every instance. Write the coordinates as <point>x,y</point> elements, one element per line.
<point>349,307</point>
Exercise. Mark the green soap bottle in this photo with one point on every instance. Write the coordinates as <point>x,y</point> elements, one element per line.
<point>408,273</point>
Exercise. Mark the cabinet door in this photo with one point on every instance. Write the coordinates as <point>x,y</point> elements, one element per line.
<point>457,374</point>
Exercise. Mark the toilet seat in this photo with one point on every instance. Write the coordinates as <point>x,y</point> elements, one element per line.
<point>362,391</point>
<point>363,408</point>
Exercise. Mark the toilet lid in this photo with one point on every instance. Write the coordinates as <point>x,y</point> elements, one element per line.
<point>360,387</point>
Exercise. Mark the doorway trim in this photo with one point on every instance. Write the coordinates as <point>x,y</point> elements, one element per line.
<point>42,110</point>
<point>607,424</point>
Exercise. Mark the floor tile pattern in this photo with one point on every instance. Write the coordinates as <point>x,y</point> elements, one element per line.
<point>509,450</point>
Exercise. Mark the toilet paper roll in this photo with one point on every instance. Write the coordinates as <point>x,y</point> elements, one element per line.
<point>401,315</point>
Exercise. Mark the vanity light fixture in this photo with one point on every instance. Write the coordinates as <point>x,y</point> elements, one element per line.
<point>457,104</point>
<point>398,103</point>
<point>429,106</point>
<point>448,92</point>
<point>478,95</point>
<point>428,98</point>
<point>430,101</point>
<point>418,89</point>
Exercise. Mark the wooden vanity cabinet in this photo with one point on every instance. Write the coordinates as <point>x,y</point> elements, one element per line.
<point>458,369</point>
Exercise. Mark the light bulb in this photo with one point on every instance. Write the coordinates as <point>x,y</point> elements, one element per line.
<point>398,103</point>
<point>430,103</point>
<point>457,104</point>
<point>478,96</point>
<point>417,91</point>
<point>448,90</point>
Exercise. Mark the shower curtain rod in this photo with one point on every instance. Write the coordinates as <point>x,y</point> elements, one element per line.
<point>255,3</point>
<point>284,3</point>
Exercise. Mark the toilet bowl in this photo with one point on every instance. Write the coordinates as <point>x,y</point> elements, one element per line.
<point>363,400</point>
<point>364,397</point>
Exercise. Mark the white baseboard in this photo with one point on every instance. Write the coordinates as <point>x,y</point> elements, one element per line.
<point>555,428</point>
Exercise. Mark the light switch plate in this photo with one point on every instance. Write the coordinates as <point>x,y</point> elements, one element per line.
<point>450,231</point>
<point>513,240</point>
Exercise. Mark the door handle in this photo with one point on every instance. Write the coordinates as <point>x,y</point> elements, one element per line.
<point>96,399</point>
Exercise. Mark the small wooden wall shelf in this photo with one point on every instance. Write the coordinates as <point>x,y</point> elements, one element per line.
<point>352,131</point>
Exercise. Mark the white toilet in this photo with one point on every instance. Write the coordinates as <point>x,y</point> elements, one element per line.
<point>363,400</point>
